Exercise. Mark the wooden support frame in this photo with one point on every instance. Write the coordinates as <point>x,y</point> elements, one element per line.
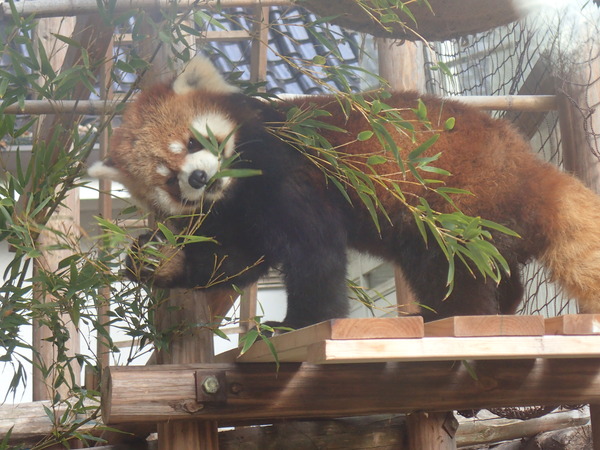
<point>258,393</point>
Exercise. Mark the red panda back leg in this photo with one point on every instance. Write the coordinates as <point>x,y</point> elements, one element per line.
<point>426,270</point>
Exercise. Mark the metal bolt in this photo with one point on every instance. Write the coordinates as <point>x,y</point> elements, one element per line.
<point>211,385</point>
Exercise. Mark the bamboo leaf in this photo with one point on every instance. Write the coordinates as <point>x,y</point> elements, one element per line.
<point>423,147</point>
<point>237,173</point>
<point>248,340</point>
<point>365,135</point>
<point>375,160</point>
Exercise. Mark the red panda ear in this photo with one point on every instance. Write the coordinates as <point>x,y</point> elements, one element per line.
<point>105,169</point>
<point>201,75</point>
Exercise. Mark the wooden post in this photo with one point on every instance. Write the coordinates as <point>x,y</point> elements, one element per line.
<point>65,219</point>
<point>105,206</point>
<point>188,311</point>
<point>403,67</point>
<point>431,431</point>
<point>93,35</point>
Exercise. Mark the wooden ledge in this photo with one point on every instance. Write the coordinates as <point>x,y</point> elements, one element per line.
<point>407,339</point>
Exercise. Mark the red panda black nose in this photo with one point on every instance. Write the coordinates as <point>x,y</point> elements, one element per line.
<point>198,179</point>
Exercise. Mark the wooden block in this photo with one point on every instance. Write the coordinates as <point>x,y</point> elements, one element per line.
<point>293,345</point>
<point>572,324</point>
<point>502,325</point>
<point>377,328</point>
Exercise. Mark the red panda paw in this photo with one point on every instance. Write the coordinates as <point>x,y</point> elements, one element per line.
<point>151,259</point>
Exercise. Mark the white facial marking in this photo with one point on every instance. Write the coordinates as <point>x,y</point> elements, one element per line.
<point>220,125</point>
<point>176,147</point>
<point>163,170</point>
<point>204,161</point>
<point>164,202</point>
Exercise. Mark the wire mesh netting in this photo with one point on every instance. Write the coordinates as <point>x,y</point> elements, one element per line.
<point>553,52</point>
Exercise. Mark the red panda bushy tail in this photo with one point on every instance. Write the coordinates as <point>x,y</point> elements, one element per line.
<point>573,252</point>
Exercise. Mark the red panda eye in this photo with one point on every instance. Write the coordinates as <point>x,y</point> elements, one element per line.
<point>172,180</point>
<point>193,145</point>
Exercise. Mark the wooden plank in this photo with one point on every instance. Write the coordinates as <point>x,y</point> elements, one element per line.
<point>293,346</point>
<point>257,393</point>
<point>459,348</point>
<point>225,36</point>
<point>571,324</point>
<point>28,420</point>
<point>501,325</point>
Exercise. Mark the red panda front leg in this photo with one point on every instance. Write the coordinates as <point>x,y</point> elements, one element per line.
<point>152,259</point>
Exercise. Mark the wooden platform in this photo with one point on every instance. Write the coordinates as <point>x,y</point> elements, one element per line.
<point>455,338</point>
<point>512,361</point>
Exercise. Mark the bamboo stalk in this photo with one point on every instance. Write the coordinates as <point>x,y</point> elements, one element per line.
<point>510,102</point>
<point>99,107</point>
<point>54,8</point>
<point>87,107</point>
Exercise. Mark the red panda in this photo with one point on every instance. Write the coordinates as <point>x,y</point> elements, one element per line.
<point>292,218</point>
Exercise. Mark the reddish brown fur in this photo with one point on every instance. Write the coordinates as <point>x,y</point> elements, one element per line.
<point>554,214</point>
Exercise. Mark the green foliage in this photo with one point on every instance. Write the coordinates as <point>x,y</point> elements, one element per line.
<point>66,297</point>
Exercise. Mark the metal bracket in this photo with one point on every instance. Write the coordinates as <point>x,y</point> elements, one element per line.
<point>211,386</point>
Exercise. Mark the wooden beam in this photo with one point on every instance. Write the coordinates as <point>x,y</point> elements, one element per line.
<point>99,107</point>
<point>258,393</point>
<point>511,102</point>
<point>29,420</point>
<point>442,349</point>
<point>55,8</point>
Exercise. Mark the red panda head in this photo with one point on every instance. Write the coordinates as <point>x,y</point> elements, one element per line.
<point>155,153</point>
